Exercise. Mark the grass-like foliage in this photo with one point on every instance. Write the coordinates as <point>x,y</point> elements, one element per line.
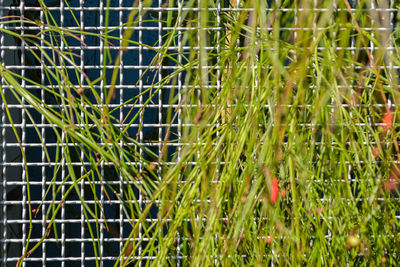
<point>287,140</point>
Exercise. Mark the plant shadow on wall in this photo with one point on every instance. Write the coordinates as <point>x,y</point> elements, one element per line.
<point>287,141</point>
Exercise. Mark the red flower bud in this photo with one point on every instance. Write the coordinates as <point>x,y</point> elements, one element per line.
<point>268,239</point>
<point>274,190</point>
<point>387,120</point>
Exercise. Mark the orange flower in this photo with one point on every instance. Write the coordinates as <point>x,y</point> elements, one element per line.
<point>387,120</point>
<point>274,190</point>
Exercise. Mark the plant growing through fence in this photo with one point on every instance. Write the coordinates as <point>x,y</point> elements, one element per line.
<point>271,90</point>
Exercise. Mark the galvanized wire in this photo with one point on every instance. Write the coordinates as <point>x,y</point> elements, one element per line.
<point>74,244</point>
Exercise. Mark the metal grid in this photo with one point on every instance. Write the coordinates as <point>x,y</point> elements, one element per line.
<point>74,245</point>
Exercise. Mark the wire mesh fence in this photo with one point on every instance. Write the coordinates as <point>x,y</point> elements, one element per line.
<point>147,99</point>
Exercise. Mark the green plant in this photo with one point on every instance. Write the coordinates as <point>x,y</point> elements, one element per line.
<point>278,94</point>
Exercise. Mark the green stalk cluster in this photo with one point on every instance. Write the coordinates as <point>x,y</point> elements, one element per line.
<point>287,91</point>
